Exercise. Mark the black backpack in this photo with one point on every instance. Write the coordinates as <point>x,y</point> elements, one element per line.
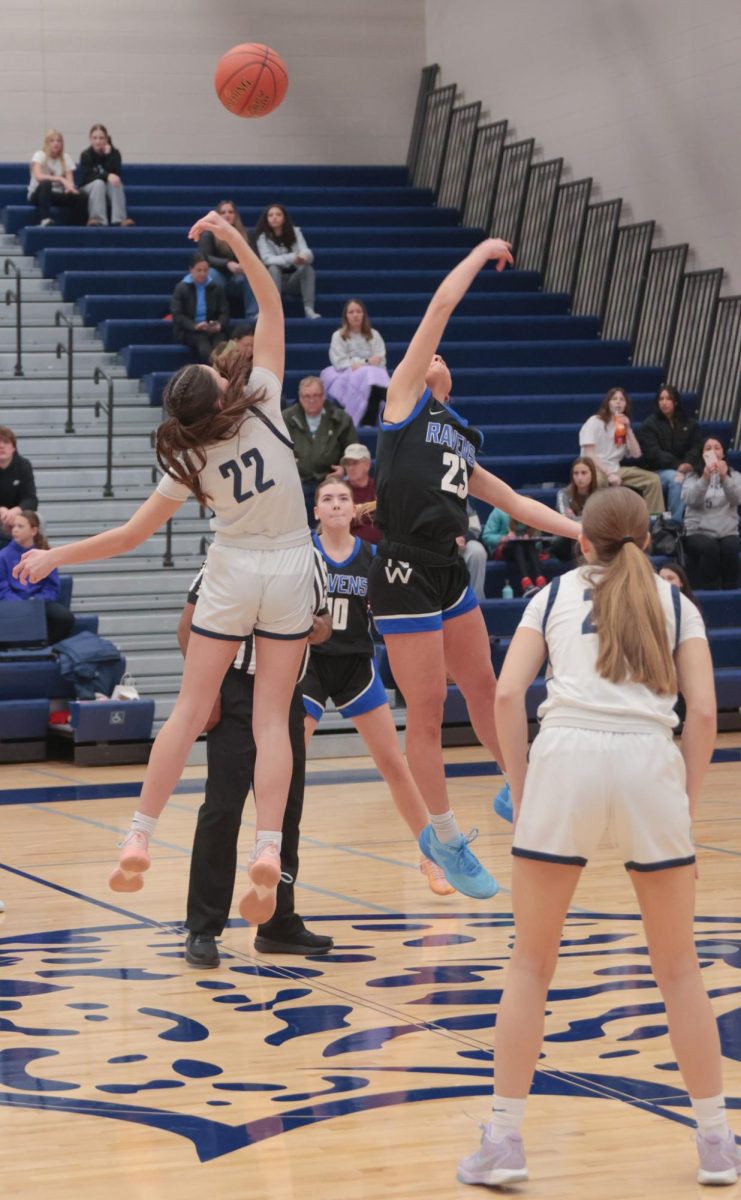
<point>666,539</point>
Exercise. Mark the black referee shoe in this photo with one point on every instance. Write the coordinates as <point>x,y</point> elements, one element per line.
<point>201,950</point>
<point>294,941</point>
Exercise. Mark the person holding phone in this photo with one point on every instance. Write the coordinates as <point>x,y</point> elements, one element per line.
<point>712,494</point>
<point>100,180</point>
<point>200,312</point>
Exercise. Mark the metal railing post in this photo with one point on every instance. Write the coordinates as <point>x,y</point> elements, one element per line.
<point>10,296</point>
<point>99,374</point>
<point>60,316</point>
<point>167,559</point>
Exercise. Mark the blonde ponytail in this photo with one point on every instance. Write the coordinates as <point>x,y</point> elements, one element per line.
<point>626,610</point>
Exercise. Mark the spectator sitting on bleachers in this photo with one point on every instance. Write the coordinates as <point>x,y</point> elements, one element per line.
<point>570,503</point>
<point>26,534</point>
<point>53,181</point>
<point>676,575</point>
<point>474,553</point>
<point>223,262</point>
<point>17,486</point>
<point>670,441</point>
<point>607,438</point>
<point>356,464</point>
<point>508,540</point>
<point>320,433</point>
<point>283,249</point>
<point>100,180</point>
<point>357,378</point>
<point>712,494</point>
<point>200,313</point>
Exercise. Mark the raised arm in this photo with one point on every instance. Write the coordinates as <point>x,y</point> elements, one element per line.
<point>407,381</point>
<point>485,486</point>
<point>36,564</point>
<point>524,659</point>
<point>269,331</point>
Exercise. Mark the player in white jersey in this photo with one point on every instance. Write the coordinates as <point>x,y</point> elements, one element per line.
<point>225,442</point>
<point>620,643</point>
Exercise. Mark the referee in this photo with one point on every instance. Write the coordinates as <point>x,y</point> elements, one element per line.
<point>231,753</point>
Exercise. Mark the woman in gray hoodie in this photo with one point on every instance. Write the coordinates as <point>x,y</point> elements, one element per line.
<point>712,494</point>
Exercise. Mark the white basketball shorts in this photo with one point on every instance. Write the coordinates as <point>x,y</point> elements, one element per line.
<point>583,784</point>
<point>266,592</point>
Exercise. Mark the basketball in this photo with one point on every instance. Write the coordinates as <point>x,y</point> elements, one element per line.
<point>251,80</point>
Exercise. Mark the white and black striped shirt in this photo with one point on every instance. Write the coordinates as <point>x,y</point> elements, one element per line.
<point>245,659</point>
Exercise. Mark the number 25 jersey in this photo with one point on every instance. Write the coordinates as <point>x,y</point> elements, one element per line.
<point>252,478</point>
<point>422,469</point>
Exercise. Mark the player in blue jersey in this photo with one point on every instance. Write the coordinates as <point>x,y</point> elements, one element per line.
<point>420,596</point>
<point>343,669</point>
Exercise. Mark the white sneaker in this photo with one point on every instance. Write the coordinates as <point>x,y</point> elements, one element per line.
<point>2,906</point>
<point>47,221</point>
<point>311,314</point>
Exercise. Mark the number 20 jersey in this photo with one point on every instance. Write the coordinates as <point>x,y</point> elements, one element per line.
<point>252,478</point>
<point>422,468</point>
<point>347,600</point>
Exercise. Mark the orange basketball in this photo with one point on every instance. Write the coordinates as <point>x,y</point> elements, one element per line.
<point>251,80</point>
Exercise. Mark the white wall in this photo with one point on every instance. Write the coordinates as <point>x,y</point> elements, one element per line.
<point>643,95</point>
<point>145,69</point>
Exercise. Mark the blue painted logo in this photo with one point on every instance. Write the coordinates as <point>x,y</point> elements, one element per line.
<point>258,1050</point>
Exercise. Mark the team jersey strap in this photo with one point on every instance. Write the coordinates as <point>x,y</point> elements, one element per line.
<point>256,412</point>
<point>552,593</point>
<point>677,602</point>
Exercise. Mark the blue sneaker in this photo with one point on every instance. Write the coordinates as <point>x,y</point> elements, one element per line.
<point>503,804</point>
<point>463,870</point>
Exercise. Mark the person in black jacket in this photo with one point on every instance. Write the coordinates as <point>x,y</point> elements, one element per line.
<point>100,179</point>
<point>17,485</point>
<point>223,262</point>
<point>200,313</point>
<point>670,441</point>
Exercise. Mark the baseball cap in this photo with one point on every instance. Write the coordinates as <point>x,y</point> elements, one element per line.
<point>355,452</point>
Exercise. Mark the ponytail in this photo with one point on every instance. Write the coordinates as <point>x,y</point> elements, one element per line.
<point>626,609</point>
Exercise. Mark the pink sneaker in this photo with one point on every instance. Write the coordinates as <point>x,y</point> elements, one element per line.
<point>258,903</point>
<point>720,1158</point>
<point>133,861</point>
<point>435,877</point>
<point>495,1163</point>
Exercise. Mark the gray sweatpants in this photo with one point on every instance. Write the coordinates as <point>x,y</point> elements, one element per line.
<point>98,192</point>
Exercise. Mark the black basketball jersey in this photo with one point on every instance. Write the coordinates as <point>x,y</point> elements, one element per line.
<point>422,470</point>
<point>347,600</point>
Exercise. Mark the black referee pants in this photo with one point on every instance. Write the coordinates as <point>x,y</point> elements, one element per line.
<point>231,755</point>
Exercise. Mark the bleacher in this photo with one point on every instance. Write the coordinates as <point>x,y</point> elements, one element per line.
<point>531,359</point>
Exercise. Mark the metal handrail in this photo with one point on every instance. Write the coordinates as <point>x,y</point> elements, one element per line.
<point>60,316</point>
<point>99,374</point>
<point>167,559</point>
<point>10,296</point>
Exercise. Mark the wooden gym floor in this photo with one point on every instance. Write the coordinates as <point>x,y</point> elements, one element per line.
<point>361,1075</point>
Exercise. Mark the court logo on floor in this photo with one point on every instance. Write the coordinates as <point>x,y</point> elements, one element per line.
<point>108,1021</point>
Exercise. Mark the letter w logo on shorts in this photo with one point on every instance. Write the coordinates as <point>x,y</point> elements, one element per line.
<point>402,571</point>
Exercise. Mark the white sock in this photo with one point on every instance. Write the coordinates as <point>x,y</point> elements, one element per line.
<point>506,1116</point>
<point>268,837</point>
<point>710,1114</point>
<point>141,823</point>
<point>445,825</point>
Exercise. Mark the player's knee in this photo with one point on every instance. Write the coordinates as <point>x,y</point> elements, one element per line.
<point>672,971</point>
<point>538,963</point>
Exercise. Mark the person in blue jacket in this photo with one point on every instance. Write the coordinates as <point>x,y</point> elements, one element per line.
<point>26,533</point>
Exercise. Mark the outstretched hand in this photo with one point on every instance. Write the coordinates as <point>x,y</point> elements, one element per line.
<point>498,250</point>
<point>33,567</point>
<point>213,222</point>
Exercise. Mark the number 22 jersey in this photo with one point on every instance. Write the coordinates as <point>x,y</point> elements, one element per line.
<point>423,464</point>
<point>252,478</point>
